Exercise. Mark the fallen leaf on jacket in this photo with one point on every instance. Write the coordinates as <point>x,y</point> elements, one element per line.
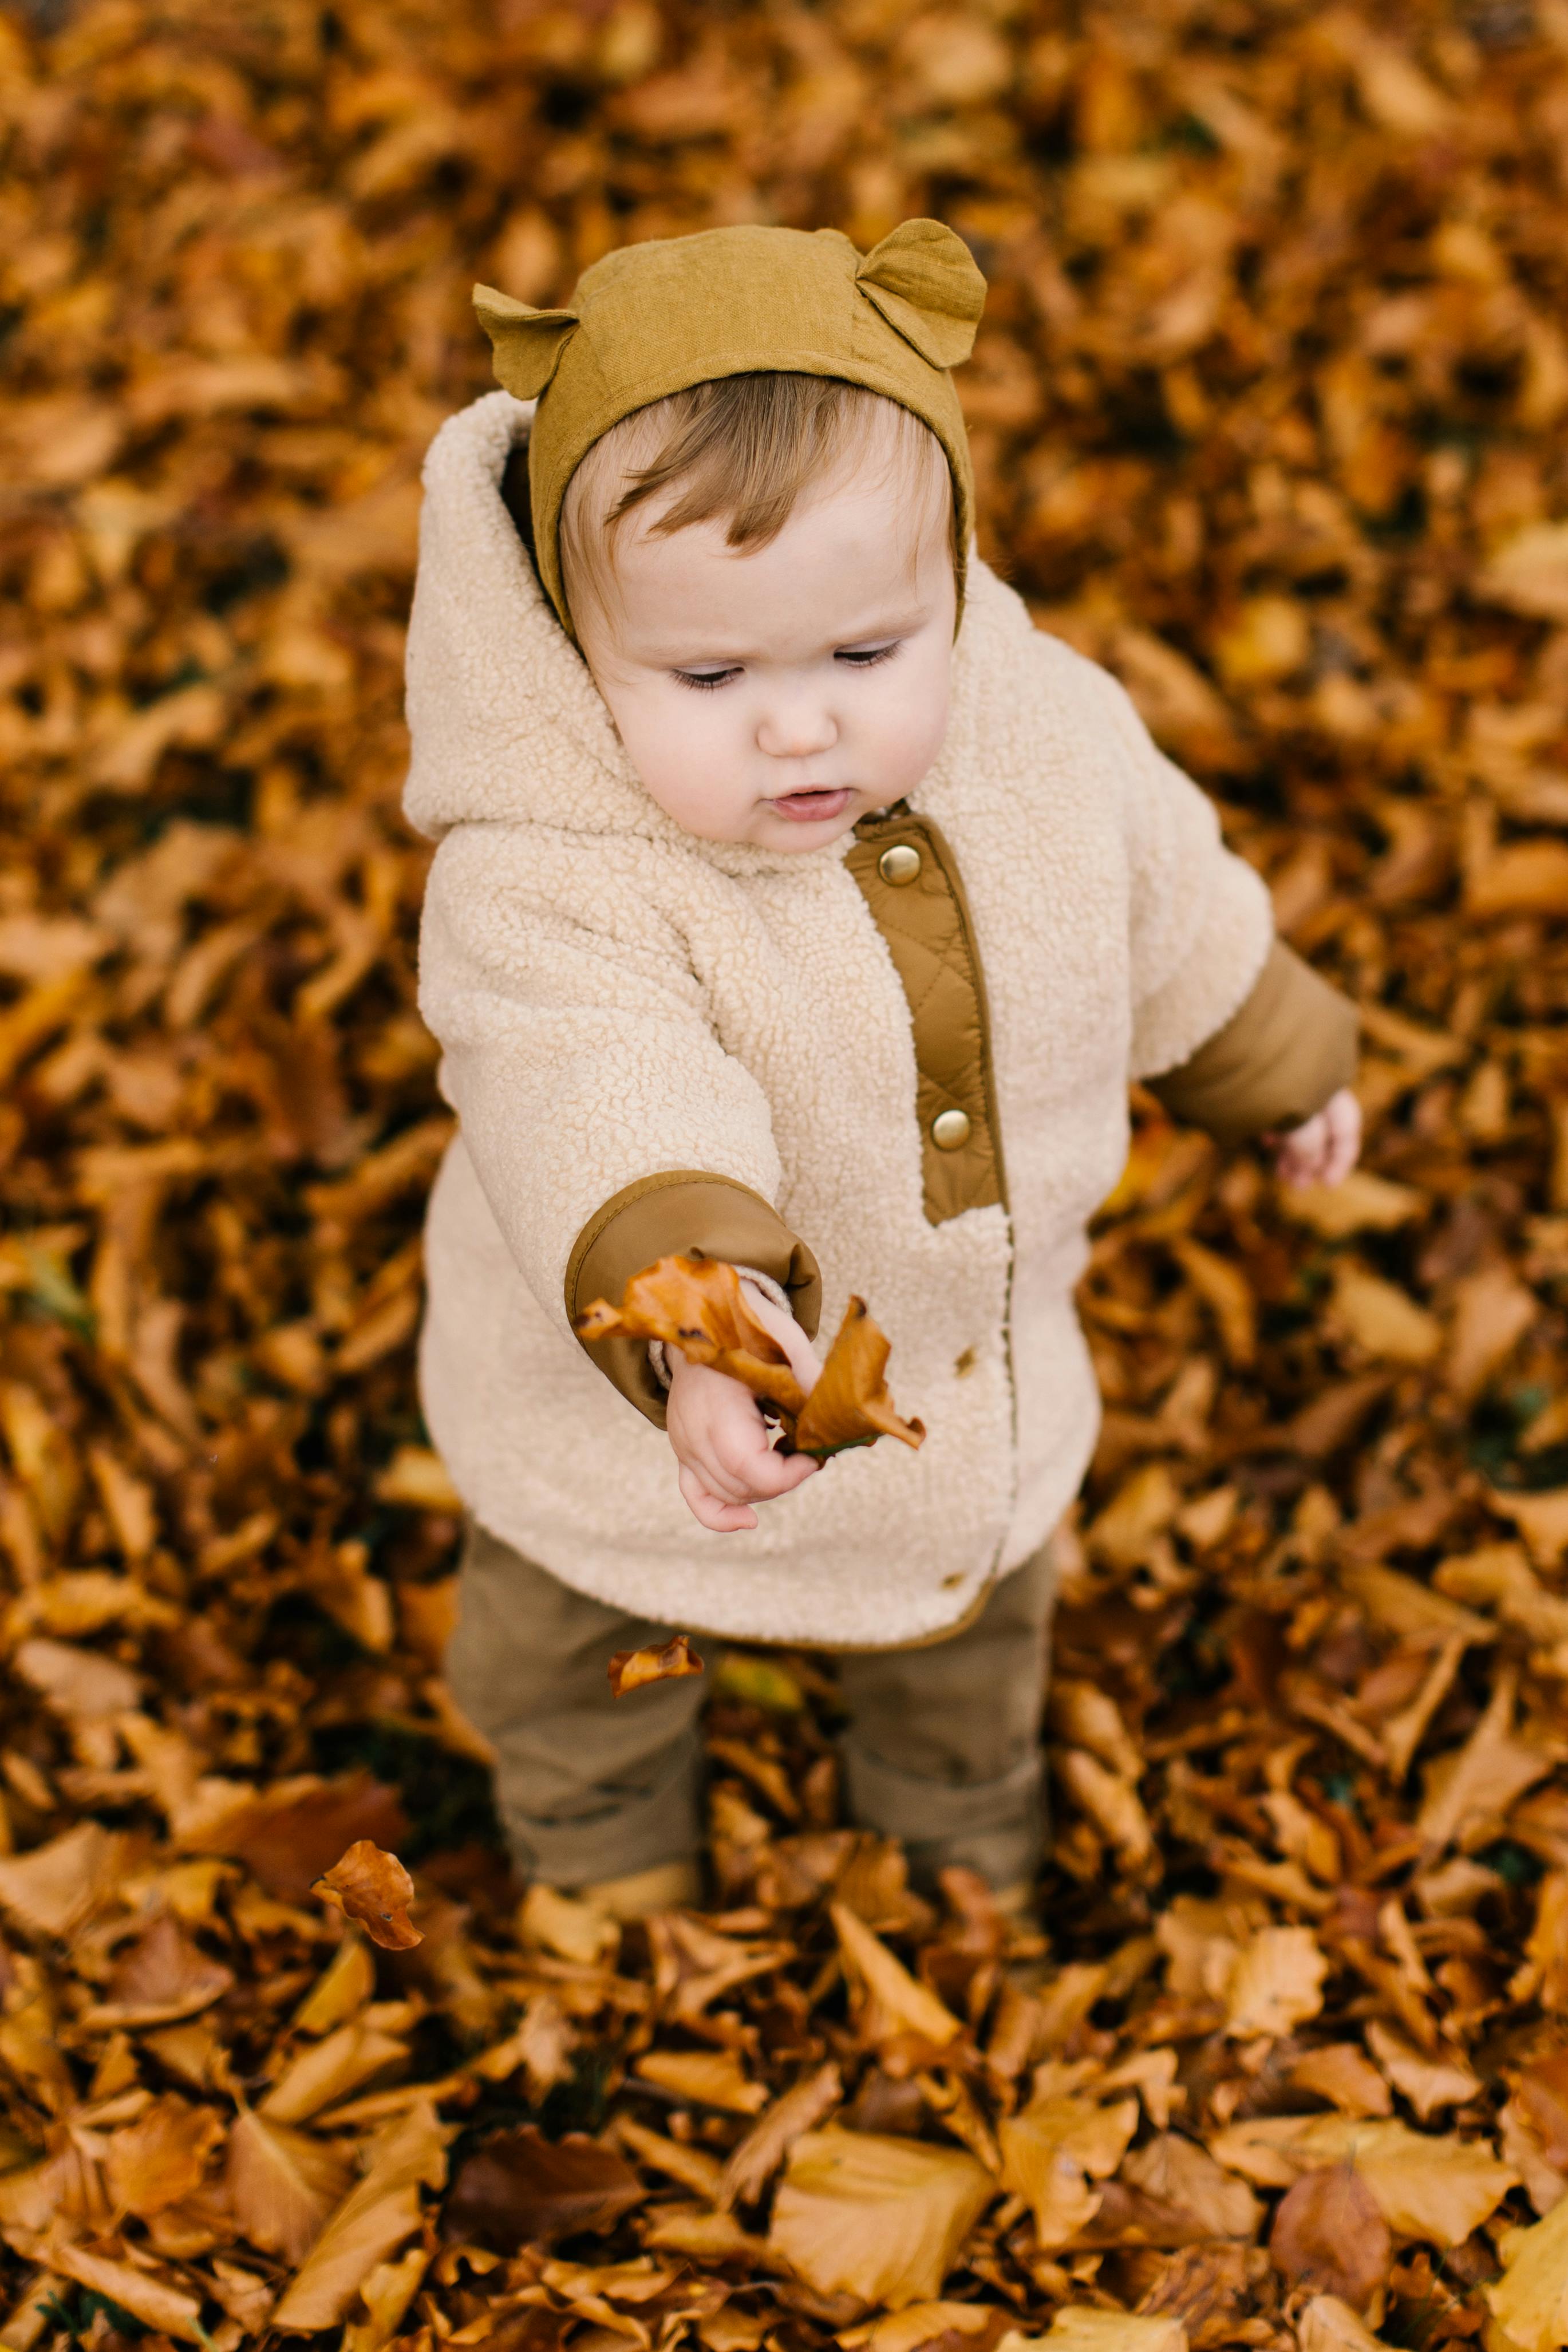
<point>1426,2185</point>
<point>374,1889</point>
<point>161,2157</point>
<point>1330,2234</point>
<point>865,2215</point>
<point>697,1304</point>
<point>282,2184</point>
<point>1530,2302</point>
<point>1327,2325</point>
<point>1277,1984</point>
<point>520,2189</point>
<point>630,1669</point>
<point>752,2162</point>
<point>1182,2174</point>
<point>372,2221</point>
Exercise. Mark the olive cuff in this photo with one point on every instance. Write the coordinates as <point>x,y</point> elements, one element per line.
<point>1274,1064</point>
<point>671,1215</point>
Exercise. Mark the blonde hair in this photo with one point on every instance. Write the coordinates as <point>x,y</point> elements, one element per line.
<point>743,448</point>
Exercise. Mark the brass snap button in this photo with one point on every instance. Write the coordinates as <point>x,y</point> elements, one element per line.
<point>900,863</point>
<point>950,1130</point>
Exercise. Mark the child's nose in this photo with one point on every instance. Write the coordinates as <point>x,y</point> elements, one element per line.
<point>796,731</point>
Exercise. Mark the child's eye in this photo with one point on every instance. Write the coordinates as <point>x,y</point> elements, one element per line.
<point>703,681</point>
<point>869,658</point>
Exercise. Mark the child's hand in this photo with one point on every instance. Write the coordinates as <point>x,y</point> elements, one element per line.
<point>1326,1148</point>
<point>720,1438</point>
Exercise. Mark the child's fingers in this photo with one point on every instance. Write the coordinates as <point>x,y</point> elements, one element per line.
<point>722,1518</point>
<point>780,1474</point>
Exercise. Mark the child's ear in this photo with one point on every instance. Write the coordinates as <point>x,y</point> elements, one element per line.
<point>927,284</point>
<point>527,343</point>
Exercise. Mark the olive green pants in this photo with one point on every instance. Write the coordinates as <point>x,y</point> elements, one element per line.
<point>942,1749</point>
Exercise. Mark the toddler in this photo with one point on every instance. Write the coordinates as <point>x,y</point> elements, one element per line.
<point>795,900</point>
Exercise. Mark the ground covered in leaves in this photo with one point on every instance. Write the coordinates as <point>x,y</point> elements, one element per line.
<point>1267,414</point>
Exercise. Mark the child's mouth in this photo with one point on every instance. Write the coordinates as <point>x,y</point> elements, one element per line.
<point>812,807</point>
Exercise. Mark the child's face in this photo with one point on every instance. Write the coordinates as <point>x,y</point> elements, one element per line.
<point>774,694</point>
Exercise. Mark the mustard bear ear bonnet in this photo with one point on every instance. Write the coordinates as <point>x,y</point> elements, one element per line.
<point>654,319</point>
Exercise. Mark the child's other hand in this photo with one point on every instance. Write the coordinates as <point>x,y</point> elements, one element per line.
<point>720,1438</point>
<point>1326,1148</point>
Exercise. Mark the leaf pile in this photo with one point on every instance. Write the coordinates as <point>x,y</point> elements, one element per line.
<point>1267,414</point>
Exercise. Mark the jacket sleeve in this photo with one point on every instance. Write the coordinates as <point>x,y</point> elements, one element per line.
<point>606,1123</point>
<point>1229,1028</point>
<point>1278,1060</point>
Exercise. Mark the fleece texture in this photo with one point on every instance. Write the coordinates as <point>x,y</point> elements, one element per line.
<point>615,997</point>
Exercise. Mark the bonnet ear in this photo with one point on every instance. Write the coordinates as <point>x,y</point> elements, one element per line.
<point>527,343</point>
<point>924,281</point>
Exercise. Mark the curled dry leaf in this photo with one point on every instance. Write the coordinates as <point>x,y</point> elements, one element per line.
<point>864,2214</point>
<point>374,1889</point>
<point>1330,2234</point>
<point>753,2161</point>
<point>164,1975</point>
<point>697,1304</point>
<point>630,1669</point>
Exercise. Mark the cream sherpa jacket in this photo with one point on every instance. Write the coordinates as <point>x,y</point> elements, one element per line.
<point>615,998</point>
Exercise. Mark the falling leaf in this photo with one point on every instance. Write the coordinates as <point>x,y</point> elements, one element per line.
<point>865,2215</point>
<point>1329,2234</point>
<point>374,1889</point>
<point>630,1669</point>
<point>520,2189</point>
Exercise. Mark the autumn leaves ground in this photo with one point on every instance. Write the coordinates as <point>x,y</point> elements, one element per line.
<point>1266,411</point>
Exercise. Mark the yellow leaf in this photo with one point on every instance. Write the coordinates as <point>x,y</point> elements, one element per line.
<point>1278,1983</point>
<point>1530,2302</point>
<point>282,2185</point>
<point>1426,2185</point>
<point>373,2219</point>
<point>1381,1319</point>
<point>908,2005</point>
<point>710,2078</point>
<point>861,2213</point>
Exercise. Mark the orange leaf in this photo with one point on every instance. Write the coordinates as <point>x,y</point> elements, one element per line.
<point>374,1888</point>
<point>630,1669</point>
<point>696,1305</point>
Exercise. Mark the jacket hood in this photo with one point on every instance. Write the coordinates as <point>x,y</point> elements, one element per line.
<point>506,724</point>
<point>506,721</point>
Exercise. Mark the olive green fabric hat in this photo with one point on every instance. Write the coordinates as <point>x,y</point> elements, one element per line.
<point>650,320</point>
